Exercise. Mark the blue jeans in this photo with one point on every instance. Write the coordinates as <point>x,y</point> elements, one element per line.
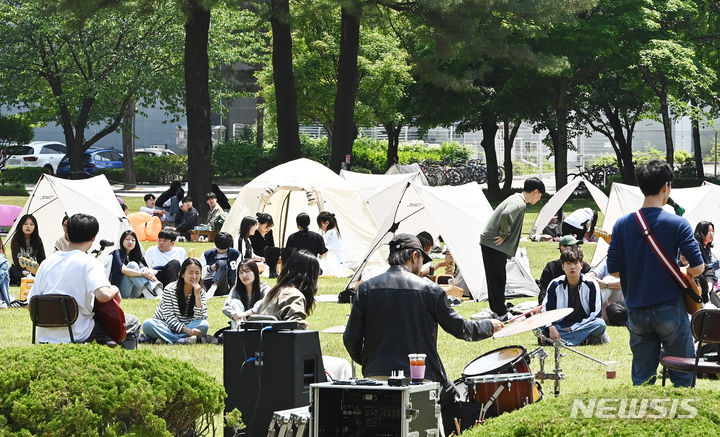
<point>575,337</point>
<point>131,286</point>
<point>154,329</point>
<point>665,326</point>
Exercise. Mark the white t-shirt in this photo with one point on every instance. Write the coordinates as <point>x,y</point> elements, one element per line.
<point>579,216</point>
<point>77,274</point>
<point>156,258</point>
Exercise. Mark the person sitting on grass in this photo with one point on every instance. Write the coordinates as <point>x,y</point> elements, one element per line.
<point>215,216</point>
<point>181,316</point>
<point>186,218</point>
<point>129,271</point>
<point>220,266</point>
<point>4,278</point>
<point>63,242</point>
<point>553,268</point>
<point>165,258</point>
<point>246,295</point>
<point>25,243</point>
<point>150,207</point>
<point>581,293</point>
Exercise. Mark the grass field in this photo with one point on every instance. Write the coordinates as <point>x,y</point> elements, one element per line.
<point>580,373</point>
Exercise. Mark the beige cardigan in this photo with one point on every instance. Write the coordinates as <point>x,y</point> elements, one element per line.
<point>289,304</point>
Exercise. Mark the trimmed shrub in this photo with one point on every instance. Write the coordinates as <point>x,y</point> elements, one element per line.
<point>236,158</point>
<point>61,390</point>
<point>114,175</point>
<point>13,190</point>
<point>316,149</point>
<point>667,412</point>
<point>160,169</point>
<point>22,175</point>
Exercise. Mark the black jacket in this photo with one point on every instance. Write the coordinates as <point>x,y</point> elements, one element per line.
<point>398,313</point>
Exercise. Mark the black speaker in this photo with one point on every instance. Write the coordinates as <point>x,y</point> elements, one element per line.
<point>290,362</point>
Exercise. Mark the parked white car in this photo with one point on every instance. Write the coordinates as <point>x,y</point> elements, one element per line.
<point>154,151</point>
<point>45,154</point>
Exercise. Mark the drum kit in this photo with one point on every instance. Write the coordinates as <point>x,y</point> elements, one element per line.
<point>501,380</point>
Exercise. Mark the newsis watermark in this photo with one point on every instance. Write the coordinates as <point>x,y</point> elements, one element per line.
<point>633,408</point>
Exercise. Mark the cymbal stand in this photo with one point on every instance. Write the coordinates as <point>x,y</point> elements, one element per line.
<point>557,374</point>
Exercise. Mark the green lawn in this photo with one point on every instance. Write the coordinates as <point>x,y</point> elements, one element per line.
<point>580,373</point>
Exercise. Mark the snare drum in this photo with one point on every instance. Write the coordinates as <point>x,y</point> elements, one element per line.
<point>511,391</point>
<point>510,359</point>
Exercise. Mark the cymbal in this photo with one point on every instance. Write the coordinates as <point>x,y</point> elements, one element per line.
<point>530,323</point>
<point>334,330</point>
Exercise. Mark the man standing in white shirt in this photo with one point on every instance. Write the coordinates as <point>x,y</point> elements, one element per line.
<point>165,258</point>
<point>76,273</point>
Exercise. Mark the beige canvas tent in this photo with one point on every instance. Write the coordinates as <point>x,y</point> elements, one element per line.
<point>459,214</point>
<point>54,197</point>
<point>700,203</point>
<point>307,186</point>
<point>560,197</point>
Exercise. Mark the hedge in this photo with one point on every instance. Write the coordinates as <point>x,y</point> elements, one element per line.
<point>161,169</point>
<point>605,412</point>
<point>13,190</point>
<point>61,390</point>
<point>22,175</point>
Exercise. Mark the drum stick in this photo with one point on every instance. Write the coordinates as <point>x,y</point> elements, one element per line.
<point>537,308</point>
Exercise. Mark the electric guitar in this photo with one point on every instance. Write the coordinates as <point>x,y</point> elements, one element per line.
<point>109,314</point>
<point>691,306</point>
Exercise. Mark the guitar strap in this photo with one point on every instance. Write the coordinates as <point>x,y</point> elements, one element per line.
<point>669,265</point>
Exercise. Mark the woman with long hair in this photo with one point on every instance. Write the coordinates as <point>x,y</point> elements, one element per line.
<point>25,243</point>
<point>293,297</point>
<point>246,295</point>
<point>333,264</point>
<point>129,272</point>
<point>181,315</point>
<point>248,226</point>
<point>4,278</point>
<point>263,242</point>
<point>705,234</point>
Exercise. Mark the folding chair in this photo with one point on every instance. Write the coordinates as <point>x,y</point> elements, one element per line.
<point>53,311</point>
<point>705,327</point>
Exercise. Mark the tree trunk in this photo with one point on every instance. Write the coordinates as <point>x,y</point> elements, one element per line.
<point>128,134</point>
<point>284,80</point>
<point>667,127</point>
<point>561,144</point>
<point>509,140</point>
<point>623,146</point>
<point>259,132</point>
<point>77,154</point>
<point>489,128</point>
<point>347,85</point>
<point>393,133</point>
<point>697,149</point>
<point>197,92</point>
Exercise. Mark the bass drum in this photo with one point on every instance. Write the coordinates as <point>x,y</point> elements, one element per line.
<point>509,359</point>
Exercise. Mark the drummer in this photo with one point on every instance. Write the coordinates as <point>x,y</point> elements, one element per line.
<point>581,293</point>
<point>398,313</point>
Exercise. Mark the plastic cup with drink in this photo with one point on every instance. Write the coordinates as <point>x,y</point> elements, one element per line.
<point>610,369</point>
<point>417,367</point>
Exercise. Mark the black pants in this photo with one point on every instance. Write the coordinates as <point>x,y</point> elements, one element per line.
<point>568,229</point>
<point>272,256</point>
<point>132,333</point>
<point>496,276</point>
<point>15,275</point>
<point>168,273</point>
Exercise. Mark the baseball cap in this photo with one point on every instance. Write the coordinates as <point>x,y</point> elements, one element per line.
<point>408,241</point>
<point>569,240</point>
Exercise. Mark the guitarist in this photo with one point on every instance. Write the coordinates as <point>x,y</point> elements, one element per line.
<point>76,273</point>
<point>656,311</point>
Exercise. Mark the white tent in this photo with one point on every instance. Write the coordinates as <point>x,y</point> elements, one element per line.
<point>700,203</point>
<point>54,197</point>
<point>407,168</point>
<point>380,190</point>
<point>307,186</point>
<point>560,197</point>
<point>459,214</point>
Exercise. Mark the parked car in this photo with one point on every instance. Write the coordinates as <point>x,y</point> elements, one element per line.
<point>45,154</point>
<point>153,151</point>
<point>93,160</point>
